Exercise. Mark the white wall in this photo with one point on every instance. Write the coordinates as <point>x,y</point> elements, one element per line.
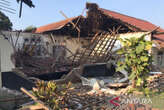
<point>21,38</point>
<point>130,35</point>
<point>158,59</point>
<point>154,49</point>
<point>6,51</point>
<point>118,44</point>
<point>73,44</point>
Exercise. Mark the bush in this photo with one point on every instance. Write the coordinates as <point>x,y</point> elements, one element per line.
<point>52,94</point>
<point>30,29</point>
<point>137,60</point>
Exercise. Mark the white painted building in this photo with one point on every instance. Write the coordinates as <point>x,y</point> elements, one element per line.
<point>6,50</point>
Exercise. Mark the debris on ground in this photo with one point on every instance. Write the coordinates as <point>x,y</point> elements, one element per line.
<point>81,97</point>
<point>10,99</point>
<point>156,82</point>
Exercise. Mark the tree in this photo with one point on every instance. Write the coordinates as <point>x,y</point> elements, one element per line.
<point>30,29</point>
<point>5,23</point>
<point>137,61</point>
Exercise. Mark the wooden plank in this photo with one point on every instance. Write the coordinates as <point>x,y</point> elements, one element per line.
<point>102,47</point>
<point>108,55</point>
<point>18,35</point>
<point>35,99</point>
<point>12,42</point>
<point>70,21</point>
<point>52,37</point>
<point>99,44</point>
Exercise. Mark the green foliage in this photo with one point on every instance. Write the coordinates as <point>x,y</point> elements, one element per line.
<point>137,60</point>
<point>30,29</point>
<point>52,94</point>
<point>5,23</point>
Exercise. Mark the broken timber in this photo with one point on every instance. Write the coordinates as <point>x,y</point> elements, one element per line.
<point>35,99</point>
<point>98,51</point>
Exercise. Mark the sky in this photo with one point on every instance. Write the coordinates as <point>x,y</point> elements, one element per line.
<point>47,11</point>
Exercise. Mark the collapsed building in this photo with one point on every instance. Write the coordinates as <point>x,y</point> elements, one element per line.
<point>101,20</point>
<point>55,51</point>
<point>61,46</point>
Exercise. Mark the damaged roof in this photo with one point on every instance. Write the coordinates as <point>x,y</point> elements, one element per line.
<point>54,26</point>
<point>138,23</point>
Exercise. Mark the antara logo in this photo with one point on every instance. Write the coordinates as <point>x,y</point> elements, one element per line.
<point>112,101</point>
<point>120,101</point>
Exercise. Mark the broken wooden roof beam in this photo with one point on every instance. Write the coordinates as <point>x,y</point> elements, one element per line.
<point>97,51</point>
<point>74,25</point>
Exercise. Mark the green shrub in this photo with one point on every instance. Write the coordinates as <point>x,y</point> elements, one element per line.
<point>52,94</point>
<point>137,60</point>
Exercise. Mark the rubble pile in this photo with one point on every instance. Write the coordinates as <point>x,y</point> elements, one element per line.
<point>32,66</point>
<point>156,82</point>
<point>10,99</point>
<point>93,93</point>
<point>96,52</point>
<point>81,98</point>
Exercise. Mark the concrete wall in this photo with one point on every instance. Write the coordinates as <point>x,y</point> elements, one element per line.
<point>118,44</point>
<point>73,44</point>
<point>162,65</point>
<point>22,36</point>
<point>157,59</point>
<point>46,41</point>
<point>130,35</point>
<point>158,56</point>
<point>6,51</point>
<point>26,36</point>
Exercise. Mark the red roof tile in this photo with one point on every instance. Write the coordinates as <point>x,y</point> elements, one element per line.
<point>141,24</point>
<point>54,26</point>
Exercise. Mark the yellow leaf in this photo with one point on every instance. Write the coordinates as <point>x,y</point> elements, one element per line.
<point>129,43</point>
<point>148,47</point>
